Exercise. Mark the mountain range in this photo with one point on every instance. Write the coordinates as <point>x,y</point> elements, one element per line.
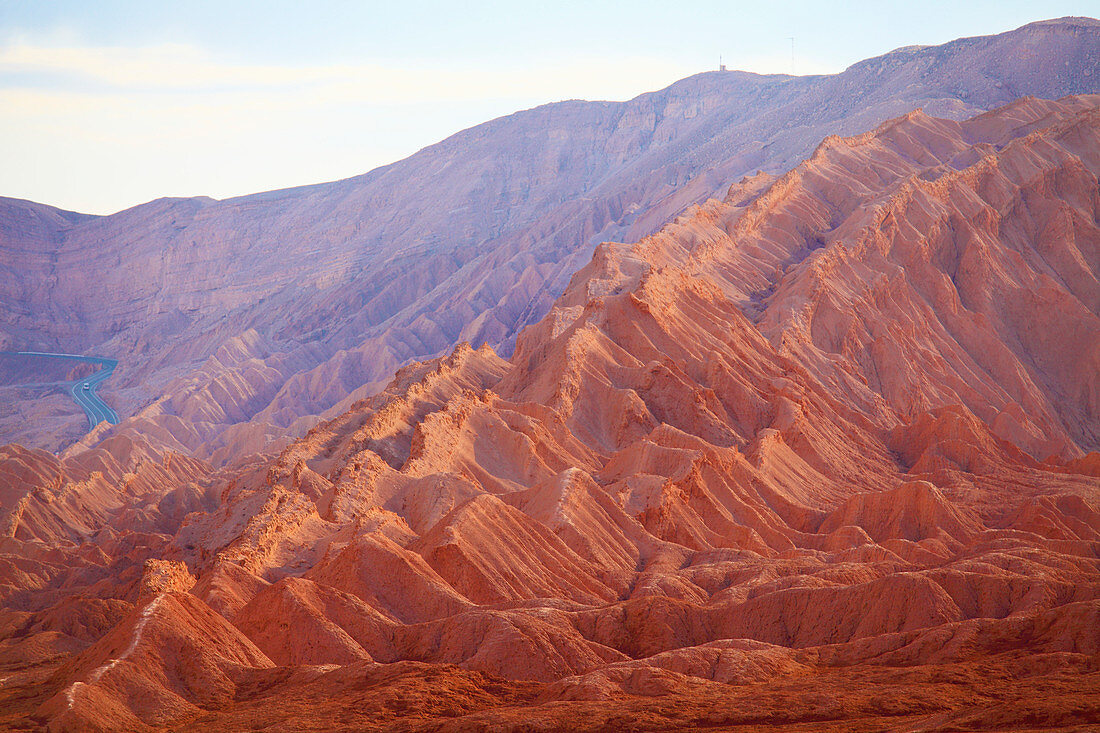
<point>756,412</point>
<point>238,324</point>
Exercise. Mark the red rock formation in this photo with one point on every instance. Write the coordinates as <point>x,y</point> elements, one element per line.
<point>819,454</point>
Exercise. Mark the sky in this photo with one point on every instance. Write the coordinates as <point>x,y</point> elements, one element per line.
<point>108,104</point>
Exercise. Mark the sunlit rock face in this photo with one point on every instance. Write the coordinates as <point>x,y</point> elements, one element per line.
<point>820,452</point>
<point>239,324</point>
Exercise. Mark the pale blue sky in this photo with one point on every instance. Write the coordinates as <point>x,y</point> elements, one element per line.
<point>104,105</point>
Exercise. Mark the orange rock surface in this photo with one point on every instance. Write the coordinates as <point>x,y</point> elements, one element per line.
<point>819,455</point>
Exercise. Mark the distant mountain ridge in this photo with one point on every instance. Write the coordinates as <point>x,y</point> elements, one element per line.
<point>237,323</point>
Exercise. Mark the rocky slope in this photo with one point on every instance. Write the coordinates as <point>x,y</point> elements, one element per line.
<point>822,453</point>
<point>238,322</point>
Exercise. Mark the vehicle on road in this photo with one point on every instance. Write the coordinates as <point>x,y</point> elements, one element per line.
<point>94,408</point>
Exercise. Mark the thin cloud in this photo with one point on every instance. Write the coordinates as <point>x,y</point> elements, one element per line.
<point>169,67</point>
<point>182,68</point>
<point>101,128</point>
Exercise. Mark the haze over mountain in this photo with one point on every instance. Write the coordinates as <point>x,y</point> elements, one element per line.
<point>238,323</point>
<point>772,465</point>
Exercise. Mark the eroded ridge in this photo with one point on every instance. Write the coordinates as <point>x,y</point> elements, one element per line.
<point>820,453</point>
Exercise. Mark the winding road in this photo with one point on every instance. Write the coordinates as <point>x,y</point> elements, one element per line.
<point>83,390</point>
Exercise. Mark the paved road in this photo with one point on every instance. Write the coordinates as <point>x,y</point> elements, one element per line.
<point>83,390</point>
